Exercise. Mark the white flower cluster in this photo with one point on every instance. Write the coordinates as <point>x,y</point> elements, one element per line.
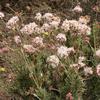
<point>12,22</point>
<point>54,24</point>
<point>88,71</point>
<point>64,52</point>
<point>50,23</point>
<point>17,39</point>
<point>76,27</point>
<point>78,9</point>
<point>81,60</point>
<point>61,37</point>
<point>80,63</point>
<point>98,69</point>
<point>98,53</point>
<point>53,60</point>
<point>65,25</point>
<point>2,15</point>
<point>84,29</point>
<point>38,16</point>
<point>45,28</point>
<point>50,20</point>
<point>29,28</point>
<point>29,48</point>
<point>48,16</point>
<point>37,41</point>
<point>84,19</point>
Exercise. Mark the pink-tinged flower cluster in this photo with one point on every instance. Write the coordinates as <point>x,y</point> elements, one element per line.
<point>29,48</point>
<point>48,17</point>
<point>12,22</point>
<point>69,96</point>
<point>80,63</point>
<point>78,9</point>
<point>17,39</point>
<point>37,42</point>
<point>98,69</point>
<point>65,25</point>
<point>2,15</point>
<point>76,27</point>
<point>84,19</point>
<point>50,20</point>
<point>4,50</point>
<point>61,37</point>
<point>54,24</point>
<point>98,53</point>
<point>29,28</point>
<point>45,28</point>
<point>64,52</point>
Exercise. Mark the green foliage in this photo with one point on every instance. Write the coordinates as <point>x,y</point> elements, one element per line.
<point>72,82</point>
<point>47,83</point>
<point>22,83</point>
<point>93,88</point>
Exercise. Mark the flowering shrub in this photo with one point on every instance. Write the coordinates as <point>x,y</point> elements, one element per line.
<point>51,57</point>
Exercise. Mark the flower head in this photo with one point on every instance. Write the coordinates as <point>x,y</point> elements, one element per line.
<point>54,24</point>
<point>53,60</point>
<point>29,48</point>
<point>17,39</point>
<point>98,69</point>
<point>48,16</point>
<point>61,37</point>
<point>84,19</point>
<point>12,22</point>
<point>78,9</point>
<point>38,16</point>
<point>98,53</point>
<point>62,51</point>
<point>70,50</point>
<point>69,96</point>
<point>29,28</point>
<point>81,59</point>
<point>2,15</point>
<point>37,41</point>
<point>73,25</point>
<point>84,29</point>
<point>65,26</point>
<point>88,71</point>
<point>45,27</point>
